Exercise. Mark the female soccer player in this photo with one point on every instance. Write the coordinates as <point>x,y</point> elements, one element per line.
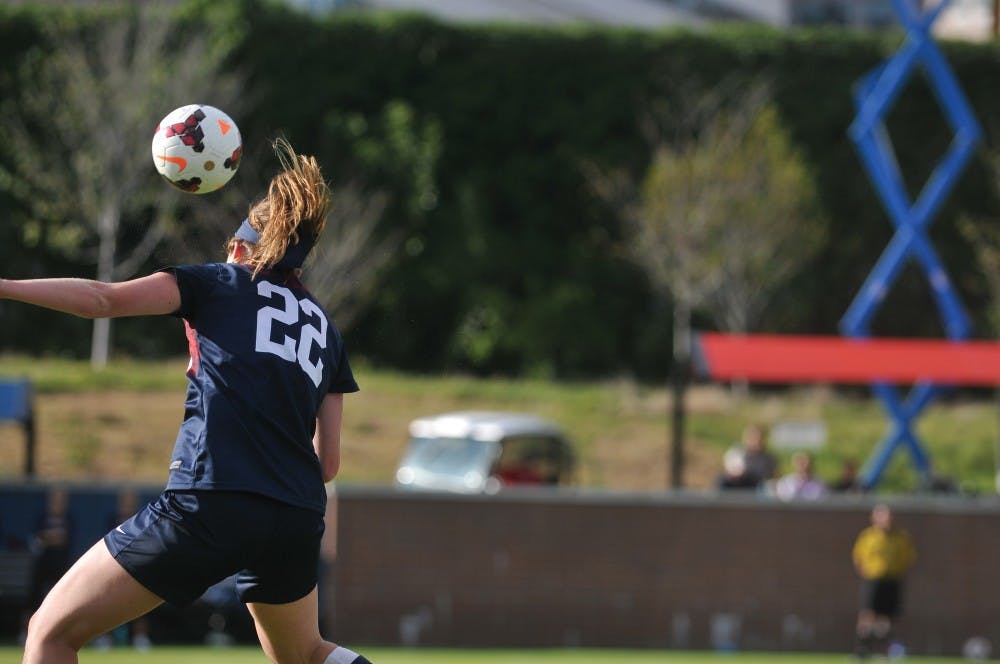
<point>260,436</point>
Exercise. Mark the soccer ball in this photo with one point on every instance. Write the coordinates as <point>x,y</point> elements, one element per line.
<point>197,148</point>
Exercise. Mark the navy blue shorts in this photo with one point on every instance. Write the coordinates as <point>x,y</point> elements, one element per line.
<point>185,541</point>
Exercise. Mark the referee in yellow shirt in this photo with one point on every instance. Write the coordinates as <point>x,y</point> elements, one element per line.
<point>882,555</point>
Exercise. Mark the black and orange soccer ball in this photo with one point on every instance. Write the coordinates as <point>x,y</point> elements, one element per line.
<point>197,148</point>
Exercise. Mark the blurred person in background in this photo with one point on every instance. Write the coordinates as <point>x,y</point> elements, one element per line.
<point>801,483</point>
<point>882,554</point>
<point>749,464</point>
<point>50,547</point>
<point>848,481</point>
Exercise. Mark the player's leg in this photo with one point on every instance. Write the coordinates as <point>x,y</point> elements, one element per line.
<point>93,597</point>
<point>279,587</point>
<point>884,607</point>
<point>289,634</point>
<point>864,632</point>
<point>881,634</point>
<point>864,637</point>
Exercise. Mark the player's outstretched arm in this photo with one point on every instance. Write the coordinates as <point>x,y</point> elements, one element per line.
<point>155,294</point>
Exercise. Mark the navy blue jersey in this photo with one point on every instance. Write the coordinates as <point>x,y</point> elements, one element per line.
<point>264,354</point>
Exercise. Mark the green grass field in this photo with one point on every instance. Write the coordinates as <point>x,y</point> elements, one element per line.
<point>172,655</point>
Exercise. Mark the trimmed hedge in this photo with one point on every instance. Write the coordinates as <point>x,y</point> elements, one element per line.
<point>518,267</point>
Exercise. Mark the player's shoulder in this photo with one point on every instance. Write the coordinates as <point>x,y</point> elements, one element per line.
<point>221,273</point>
<point>902,534</point>
<point>871,532</point>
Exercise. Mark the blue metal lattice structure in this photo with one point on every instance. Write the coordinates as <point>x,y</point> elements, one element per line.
<point>875,96</point>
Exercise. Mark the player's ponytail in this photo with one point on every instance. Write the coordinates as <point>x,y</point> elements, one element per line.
<point>291,217</point>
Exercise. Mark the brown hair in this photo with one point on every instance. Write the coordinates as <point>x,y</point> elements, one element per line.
<point>294,209</point>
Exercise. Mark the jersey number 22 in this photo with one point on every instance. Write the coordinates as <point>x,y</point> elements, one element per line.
<point>291,349</point>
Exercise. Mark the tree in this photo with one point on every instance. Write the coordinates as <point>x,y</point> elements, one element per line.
<point>343,267</point>
<point>726,215</point>
<point>723,215</point>
<point>78,135</point>
<point>984,237</point>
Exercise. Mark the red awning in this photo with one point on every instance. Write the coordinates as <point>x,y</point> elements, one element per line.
<point>816,359</point>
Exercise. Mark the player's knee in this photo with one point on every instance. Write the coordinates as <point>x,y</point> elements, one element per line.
<point>38,629</point>
<point>320,652</point>
<point>44,632</point>
<point>296,653</point>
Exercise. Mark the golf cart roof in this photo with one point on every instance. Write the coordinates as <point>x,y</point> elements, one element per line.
<point>482,425</point>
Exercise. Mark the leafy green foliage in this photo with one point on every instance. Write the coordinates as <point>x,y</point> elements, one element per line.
<point>481,137</point>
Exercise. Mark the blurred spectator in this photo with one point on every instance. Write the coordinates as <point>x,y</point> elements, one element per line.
<point>227,618</point>
<point>217,636</point>
<point>734,475</point>
<point>760,463</point>
<point>137,631</point>
<point>749,464</point>
<point>848,481</point>
<point>941,484</point>
<point>882,555</point>
<point>50,547</point>
<point>800,483</point>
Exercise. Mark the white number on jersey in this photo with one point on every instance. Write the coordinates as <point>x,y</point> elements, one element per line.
<point>312,333</point>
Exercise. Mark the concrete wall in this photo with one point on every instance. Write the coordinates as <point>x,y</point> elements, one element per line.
<point>535,569</point>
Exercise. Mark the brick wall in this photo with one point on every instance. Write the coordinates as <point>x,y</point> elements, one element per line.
<point>535,569</point>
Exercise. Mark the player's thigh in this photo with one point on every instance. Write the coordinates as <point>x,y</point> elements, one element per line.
<point>288,632</point>
<point>93,597</point>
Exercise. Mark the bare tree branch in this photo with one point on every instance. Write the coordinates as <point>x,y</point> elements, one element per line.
<point>346,262</point>
<point>79,134</point>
